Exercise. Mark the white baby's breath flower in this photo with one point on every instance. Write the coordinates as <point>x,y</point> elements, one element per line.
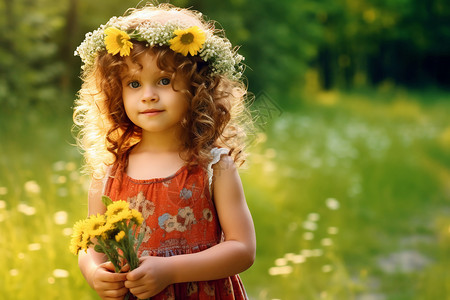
<point>218,51</point>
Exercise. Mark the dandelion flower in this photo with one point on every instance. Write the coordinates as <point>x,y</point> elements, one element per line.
<point>77,237</point>
<point>117,41</point>
<point>116,208</point>
<point>97,225</point>
<point>120,236</point>
<point>188,40</point>
<point>137,217</point>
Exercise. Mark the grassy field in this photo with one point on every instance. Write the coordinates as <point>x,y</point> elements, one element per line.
<point>350,196</point>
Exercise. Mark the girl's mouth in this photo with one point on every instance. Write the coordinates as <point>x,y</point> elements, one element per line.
<point>152,112</point>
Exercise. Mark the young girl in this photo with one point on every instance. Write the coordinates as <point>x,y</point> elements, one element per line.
<point>161,116</point>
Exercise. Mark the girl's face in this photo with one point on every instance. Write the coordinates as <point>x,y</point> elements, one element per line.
<point>149,97</point>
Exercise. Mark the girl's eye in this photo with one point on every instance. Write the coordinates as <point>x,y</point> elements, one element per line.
<point>164,81</point>
<point>134,84</point>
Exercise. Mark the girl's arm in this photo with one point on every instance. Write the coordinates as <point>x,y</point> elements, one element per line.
<point>230,257</point>
<point>98,273</point>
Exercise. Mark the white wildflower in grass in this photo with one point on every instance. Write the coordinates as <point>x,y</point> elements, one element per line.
<point>13,272</point>
<point>26,209</point>
<point>32,187</point>
<point>289,256</point>
<point>298,259</point>
<point>332,230</point>
<point>34,247</point>
<point>332,203</point>
<point>317,252</point>
<point>71,166</point>
<point>306,252</point>
<point>59,179</point>
<point>74,176</point>
<point>313,217</point>
<point>327,268</point>
<point>2,204</point>
<point>309,225</point>
<point>3,190</point>
<point>59,166</point>
<point>274,271</point>
<point>63,192</point>
<point>67,231</point>
<point>60,273</point>
<point>326,242</point>
<point>279,262</point>
<point>308,236</point>
<point>60,217</point>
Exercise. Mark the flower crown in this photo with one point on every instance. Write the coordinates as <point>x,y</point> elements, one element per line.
<point>117,39</point>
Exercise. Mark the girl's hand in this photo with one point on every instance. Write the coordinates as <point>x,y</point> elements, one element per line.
<point>150,278</point>
<point>108,284</point>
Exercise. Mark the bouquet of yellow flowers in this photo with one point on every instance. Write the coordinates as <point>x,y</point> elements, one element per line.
<point>113,233</point>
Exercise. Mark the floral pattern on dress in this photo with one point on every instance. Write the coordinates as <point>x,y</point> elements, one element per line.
<point>180,218</point>
<point>147,208</point>
<point>180,222</point>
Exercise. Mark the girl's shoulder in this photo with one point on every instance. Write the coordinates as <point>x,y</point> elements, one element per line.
<point>219,159</point>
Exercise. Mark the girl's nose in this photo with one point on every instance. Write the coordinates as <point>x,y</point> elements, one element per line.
<point>150,94</point>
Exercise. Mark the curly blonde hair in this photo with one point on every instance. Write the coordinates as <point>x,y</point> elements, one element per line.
<point>216,117</point>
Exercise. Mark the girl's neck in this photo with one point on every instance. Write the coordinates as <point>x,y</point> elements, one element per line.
<point>159,142</point>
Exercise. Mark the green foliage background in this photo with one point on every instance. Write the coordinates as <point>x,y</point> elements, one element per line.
<point>352,99</point>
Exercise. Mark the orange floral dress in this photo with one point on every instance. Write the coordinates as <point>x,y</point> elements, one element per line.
<point>180,218</point>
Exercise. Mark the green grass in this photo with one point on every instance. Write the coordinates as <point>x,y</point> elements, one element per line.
<point>349,195</point>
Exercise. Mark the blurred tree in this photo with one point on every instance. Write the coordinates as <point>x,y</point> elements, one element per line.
<point>29,64</point>
<point>348,43</point>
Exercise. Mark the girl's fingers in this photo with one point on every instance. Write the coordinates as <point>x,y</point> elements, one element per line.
<point>125,268</point>
<point>108,266</point>
<point>116,293</point>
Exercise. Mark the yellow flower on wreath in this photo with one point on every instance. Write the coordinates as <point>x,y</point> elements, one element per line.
<point>188,40</point>
<point>117,41</point>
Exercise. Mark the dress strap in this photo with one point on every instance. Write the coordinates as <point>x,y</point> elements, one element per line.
<point>216,153</point>
<point>105,179</point>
